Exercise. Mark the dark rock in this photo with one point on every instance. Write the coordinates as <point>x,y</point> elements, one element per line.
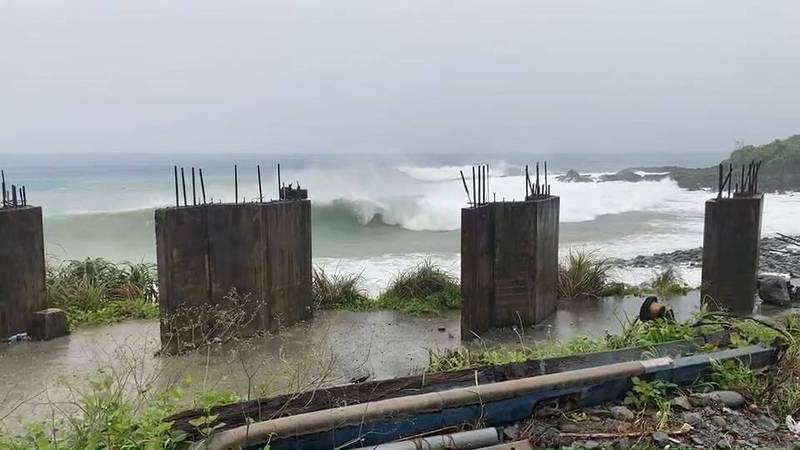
<point>765,423</point>
<point>622,413</point>
<point>682,402</point>
<point>661,438</point>
<point>623,175</point>
<point>731,399</point>
<point>773,290</point>
<point>719,422</point>
<point>48,324</point>
<point>573,176</point>
<point>569,428</point>
<point>692,418</point>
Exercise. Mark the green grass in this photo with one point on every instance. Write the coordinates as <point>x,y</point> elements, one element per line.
<point>462,358</point>
<point>338,291</point>
<point>423,289</point>
<point>668,283</point>
<point>584,274</point>
<point>112,418</point>
<point>95,291</point>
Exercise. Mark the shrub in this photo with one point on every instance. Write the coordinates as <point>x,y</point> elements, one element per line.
<point>95,291</point>
<point>425,288</point>
<point>584,275</point>
<point>668,283</point>
<point>338,291</point>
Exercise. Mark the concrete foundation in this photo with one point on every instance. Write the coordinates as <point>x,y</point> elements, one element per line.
<point>731,242</point>
<point>48,324</point>
<point>22,268</point>
<point>232,269</point>
<point>509,264</point>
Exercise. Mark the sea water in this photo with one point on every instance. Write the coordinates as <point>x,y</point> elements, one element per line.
<point>372,214</point>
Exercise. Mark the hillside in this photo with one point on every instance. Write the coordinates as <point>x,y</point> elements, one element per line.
<point>780,167</point>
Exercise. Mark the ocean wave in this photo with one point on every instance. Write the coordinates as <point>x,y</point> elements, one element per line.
<point>438,209</point>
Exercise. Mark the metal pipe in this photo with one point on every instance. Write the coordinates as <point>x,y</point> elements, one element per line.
<point>465,440</point>
<point>194,190</point>
<point>324,420</point>
<point>177,196</point>
<point>202,186</point>
<point>260,194</point>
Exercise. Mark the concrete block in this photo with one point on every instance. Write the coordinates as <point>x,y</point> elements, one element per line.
<point>248,260</point>
<point>731,244</point>
<point>509,264</point>
<point>48,324</point>
<point>22,282</point>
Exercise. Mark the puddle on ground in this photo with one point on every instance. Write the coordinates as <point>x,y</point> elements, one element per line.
<point>332,348</point>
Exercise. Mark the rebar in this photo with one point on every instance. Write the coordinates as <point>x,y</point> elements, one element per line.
<point>260,194</point>
<point>202,186</point>
<point>183,182</point>
<point>177,196</point>
<point>194,191</point>
<point>466,189</point>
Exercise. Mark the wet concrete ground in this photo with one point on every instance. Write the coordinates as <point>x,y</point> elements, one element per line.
<point>36,377</point>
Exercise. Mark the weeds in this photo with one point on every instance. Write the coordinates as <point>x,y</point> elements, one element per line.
<point>425,288</point>
<point>448,360</point>
<point>668,283</point>
<point>95,291</point>
<point>645,393</point>
<point>338,291</point>
<point>584,275</point>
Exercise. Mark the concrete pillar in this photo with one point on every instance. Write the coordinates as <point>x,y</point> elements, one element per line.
<point>509,264</point>
<point>731,244</point>
<point>22,268</point>
<point>260,250</point>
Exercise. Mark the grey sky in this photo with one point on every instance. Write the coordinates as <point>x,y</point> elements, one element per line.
<point>397,76</point>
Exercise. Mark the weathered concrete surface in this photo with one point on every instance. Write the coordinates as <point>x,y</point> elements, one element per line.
<point>509,267</point>
<point>731,241</point>
<point>22,268</point>
<point>48,324</point>
<point>248,260</point>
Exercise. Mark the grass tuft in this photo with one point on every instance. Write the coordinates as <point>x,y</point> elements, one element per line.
<point>668,283</point>
<point>583,275</point>
<point>425,288</point>
<point>96,291</point>
<point>338,291</point>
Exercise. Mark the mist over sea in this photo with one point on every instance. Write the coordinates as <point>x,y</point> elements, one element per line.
<point>371,214</point>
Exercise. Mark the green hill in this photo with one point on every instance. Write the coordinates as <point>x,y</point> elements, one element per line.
<point>780,167</point>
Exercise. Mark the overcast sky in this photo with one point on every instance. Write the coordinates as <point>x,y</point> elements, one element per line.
<point>397,76</point>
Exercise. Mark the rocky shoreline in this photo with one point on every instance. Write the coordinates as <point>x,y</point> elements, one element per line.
<point>774,258</point>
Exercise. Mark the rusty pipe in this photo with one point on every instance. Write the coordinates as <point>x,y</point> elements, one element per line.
<point>320,421</point>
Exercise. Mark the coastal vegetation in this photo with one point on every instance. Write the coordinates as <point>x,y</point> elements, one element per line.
<point>586,274</point>
<point>780,166</point>
<point>96,291</point>
<point>423,289</point>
